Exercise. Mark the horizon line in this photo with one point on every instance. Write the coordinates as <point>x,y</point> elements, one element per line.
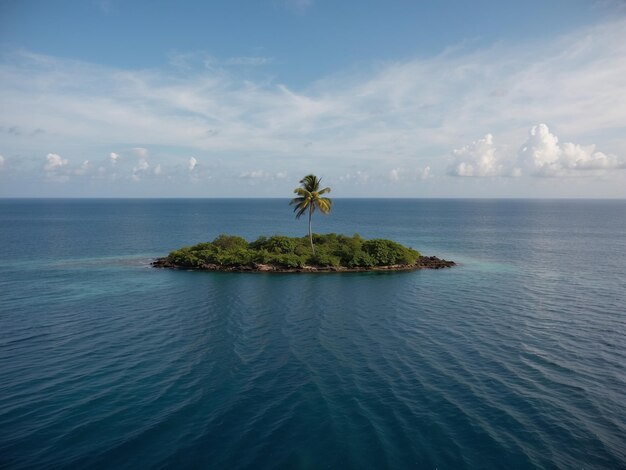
<point>336,198</point>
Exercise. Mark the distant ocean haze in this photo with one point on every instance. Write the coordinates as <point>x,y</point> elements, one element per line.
<point>513,359</point>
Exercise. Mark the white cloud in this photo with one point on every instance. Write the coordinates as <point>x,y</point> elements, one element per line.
<point>55,162</point>
<point>139,169</point>
<point>192,163</point>
<point>541,152</point>
<point>2,160</point>
<point>542,155</point>
<point>142,165</point>
<point>114,157</point>
<point>396,175</point>
<point>255,174</point>
<point>157,170</point>
<point>479,158</point>
<point>586,158</point>
<point>56,168</point>
<point>263,175</point>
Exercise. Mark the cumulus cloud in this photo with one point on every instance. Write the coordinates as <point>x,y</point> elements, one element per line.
<point>139,169</point>
<point>192,163</point>
<point>542,155</point>
<point>2,160</point>
<point>480,158</point>
<point>114,157</point>
<point>54,162</point>
<point>55,168</point>
<point>157,170</point>
<point>541,152</point>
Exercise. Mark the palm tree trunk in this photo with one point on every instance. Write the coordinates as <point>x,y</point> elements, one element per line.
<point>311,233</point>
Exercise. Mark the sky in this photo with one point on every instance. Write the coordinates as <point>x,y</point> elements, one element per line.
<point>111,98</point>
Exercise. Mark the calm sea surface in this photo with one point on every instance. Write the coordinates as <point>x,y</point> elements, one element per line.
<point>514,359</point>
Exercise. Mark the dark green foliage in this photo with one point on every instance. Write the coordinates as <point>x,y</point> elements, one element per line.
<point>275,244</point>
<point>236,257</point>
<point>287,260</point>
<point>331,250</point>
<point>229,242</point>
<point>387,252</point>
<point>325,259</point>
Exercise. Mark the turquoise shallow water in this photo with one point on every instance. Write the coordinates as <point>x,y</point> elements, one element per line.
<point>514,359</point>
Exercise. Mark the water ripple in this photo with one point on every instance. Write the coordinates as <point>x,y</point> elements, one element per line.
<point>515,359</point>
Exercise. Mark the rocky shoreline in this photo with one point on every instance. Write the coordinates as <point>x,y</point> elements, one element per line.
<point>423,262</point>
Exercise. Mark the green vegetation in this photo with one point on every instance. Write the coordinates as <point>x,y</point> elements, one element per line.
<point>332,251</point>
<point>309,198</point>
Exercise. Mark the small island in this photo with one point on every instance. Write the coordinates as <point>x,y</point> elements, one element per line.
<point>281,254</point>
<point>315,253</point>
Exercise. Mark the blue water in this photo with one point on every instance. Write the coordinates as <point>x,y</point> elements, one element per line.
<point>514,359</point>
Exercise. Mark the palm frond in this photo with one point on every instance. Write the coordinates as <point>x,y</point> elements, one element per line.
<point>297,200</point>
<point>300,212</point>
<point>324,204</point>
<point>310,182</point>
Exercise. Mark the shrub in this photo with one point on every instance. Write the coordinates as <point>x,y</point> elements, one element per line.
<point>262,256</point>
<point>229,242</point>
<point>202,246</point>
<point>360,259</point>
<point>236,257</point>
<point>387,252</point>
<point>302,250</point>
<point>275,244</point>
<point>288,260</point>
<point>185,257</point>
<point>324,259</point>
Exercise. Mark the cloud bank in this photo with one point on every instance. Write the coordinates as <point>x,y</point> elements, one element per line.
<point>540,155</point>
<point>355,126</point>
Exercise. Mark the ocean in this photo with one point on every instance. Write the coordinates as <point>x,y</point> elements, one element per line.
<point>515,358</point>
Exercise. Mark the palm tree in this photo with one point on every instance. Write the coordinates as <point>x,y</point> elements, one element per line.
<point>309,198</point>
